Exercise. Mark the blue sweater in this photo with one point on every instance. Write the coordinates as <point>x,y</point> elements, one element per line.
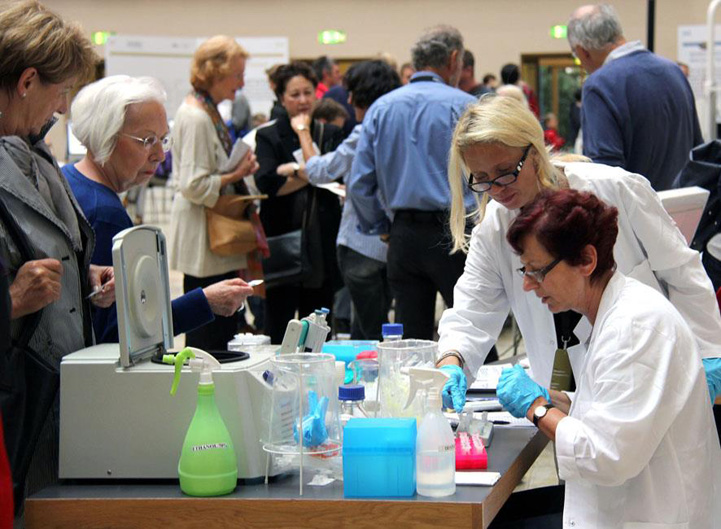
<point>639,113</point>
<point>108,217</point>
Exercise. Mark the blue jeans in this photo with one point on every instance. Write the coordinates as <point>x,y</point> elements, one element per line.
<point>367,282</point>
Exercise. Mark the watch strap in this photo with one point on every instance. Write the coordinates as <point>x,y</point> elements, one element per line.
<point>536,418</point>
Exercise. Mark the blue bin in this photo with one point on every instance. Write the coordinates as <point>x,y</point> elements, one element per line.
<point>347,350</point>
<point>379,458</point>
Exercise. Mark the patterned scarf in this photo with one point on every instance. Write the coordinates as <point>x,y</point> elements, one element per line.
<point>254,268</point>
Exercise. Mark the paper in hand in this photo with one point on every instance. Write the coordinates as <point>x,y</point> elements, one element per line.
<point>239,151</point>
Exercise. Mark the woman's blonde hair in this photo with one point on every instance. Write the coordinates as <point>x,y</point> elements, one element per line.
<point>494,119</point>
<point>32,36</point>
<point>212,60</point>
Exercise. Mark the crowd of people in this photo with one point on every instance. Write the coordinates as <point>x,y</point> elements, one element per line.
<point>448,189</point>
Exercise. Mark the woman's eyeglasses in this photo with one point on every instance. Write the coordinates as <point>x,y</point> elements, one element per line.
<point>481,186</point>
<point>538,275</point>
<point>151,141</point>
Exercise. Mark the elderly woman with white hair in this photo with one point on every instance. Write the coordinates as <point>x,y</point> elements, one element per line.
<point>122,123</point>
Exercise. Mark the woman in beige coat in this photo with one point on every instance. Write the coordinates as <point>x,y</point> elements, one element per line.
<point>201,145</point>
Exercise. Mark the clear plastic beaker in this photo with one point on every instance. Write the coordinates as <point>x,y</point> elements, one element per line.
<point>394,384</point>
<point>365,373</point>
<point>304,411</point>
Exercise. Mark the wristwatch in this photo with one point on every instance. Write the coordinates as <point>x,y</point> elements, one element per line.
<point>296,168</point>
<point>301,127</point>
<point>540,412</point>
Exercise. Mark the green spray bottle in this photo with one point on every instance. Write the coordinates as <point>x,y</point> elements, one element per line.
<point>208,465</point>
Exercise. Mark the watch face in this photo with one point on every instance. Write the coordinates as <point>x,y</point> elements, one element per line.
<point>540,412</point>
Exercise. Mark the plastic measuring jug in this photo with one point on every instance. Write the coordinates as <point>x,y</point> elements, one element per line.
<point>393,379</point>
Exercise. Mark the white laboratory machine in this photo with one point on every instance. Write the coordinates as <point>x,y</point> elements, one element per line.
<point>117,417</point>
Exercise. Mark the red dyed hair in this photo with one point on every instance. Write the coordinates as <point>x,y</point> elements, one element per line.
<point>564,222</point>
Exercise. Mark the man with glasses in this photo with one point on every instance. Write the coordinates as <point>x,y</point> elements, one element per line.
<point>400,166</point>
<point>638,108</point>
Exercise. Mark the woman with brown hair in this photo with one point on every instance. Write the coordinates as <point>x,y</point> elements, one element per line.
<point>201,146</point>
<point>46,242</point>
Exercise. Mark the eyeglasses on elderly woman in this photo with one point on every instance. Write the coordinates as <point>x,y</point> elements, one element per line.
<point>481,186</point>
<point>166,142</point>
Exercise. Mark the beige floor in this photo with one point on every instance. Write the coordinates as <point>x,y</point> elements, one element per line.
<point>541,474</point>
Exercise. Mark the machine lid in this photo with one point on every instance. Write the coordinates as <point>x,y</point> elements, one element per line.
<point>142,292</point>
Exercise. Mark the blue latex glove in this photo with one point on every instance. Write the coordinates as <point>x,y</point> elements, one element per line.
<point>712,366</point>
<point>516,391</point>
<point>454,392</point>
<point>314,430</point>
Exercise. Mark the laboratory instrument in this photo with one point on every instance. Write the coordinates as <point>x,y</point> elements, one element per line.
<point>114,401</point>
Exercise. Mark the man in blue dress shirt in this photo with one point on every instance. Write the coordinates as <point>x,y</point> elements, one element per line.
<point>401,161</point>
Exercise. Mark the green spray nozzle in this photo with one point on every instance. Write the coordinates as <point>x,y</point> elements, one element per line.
<point>199,361</point>
<point>178,359</point>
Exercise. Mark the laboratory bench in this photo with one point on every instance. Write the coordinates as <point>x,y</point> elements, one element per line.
<point>278,505</point>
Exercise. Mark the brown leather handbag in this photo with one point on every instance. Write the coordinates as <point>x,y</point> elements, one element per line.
<point>230,231</point>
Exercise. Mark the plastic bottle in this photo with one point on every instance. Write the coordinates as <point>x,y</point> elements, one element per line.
<point>392,332</point>
<point>351,399</point>
<point>208,465</point>
<point>435,445</point>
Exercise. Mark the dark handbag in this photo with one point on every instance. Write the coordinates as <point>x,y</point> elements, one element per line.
<point>28,385</point>
<point>290,260</point>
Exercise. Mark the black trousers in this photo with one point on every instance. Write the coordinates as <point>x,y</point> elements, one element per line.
<point>420,266</point>
<point>367,281</point>
<point>215,335</point>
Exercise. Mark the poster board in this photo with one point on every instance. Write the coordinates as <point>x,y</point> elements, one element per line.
<point>692,51</point>
<point>168,59</point>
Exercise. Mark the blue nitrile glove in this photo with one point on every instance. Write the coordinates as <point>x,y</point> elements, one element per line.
<point>454,392</point>
<point>712,366</point>
<point>516,391</point>
<point>314,430</point>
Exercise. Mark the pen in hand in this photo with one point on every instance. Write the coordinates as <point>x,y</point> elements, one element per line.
<point>97,291</point>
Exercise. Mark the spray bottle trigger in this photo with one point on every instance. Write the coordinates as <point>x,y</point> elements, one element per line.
<point>178,360</point>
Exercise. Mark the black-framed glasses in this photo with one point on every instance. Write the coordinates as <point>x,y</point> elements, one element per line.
<point>540,274</point>
<point>481,186</point>
<point>151,141</point>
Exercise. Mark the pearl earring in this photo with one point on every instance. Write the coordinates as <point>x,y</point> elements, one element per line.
<point>24,95</point>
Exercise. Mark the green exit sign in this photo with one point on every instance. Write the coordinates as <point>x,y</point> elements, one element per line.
<point>101,37</point>
<point>331,36</point>
<point>559,32</point>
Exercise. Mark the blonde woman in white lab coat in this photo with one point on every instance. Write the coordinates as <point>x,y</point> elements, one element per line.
<point>500,141</point>
<point>637,446</point>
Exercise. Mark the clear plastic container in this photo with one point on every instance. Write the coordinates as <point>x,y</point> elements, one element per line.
<point>365,373</point>
<point>303,383</point>
<point>394,384</point>
<point>351,399</point>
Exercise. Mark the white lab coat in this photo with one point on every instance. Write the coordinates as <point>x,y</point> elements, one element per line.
<point>649,248</point>
<point>639,445</point>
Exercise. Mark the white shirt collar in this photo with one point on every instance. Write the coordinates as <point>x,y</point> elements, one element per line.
<point>623,50</point>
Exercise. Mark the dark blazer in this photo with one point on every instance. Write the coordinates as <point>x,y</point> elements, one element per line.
<point>275,145</point>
